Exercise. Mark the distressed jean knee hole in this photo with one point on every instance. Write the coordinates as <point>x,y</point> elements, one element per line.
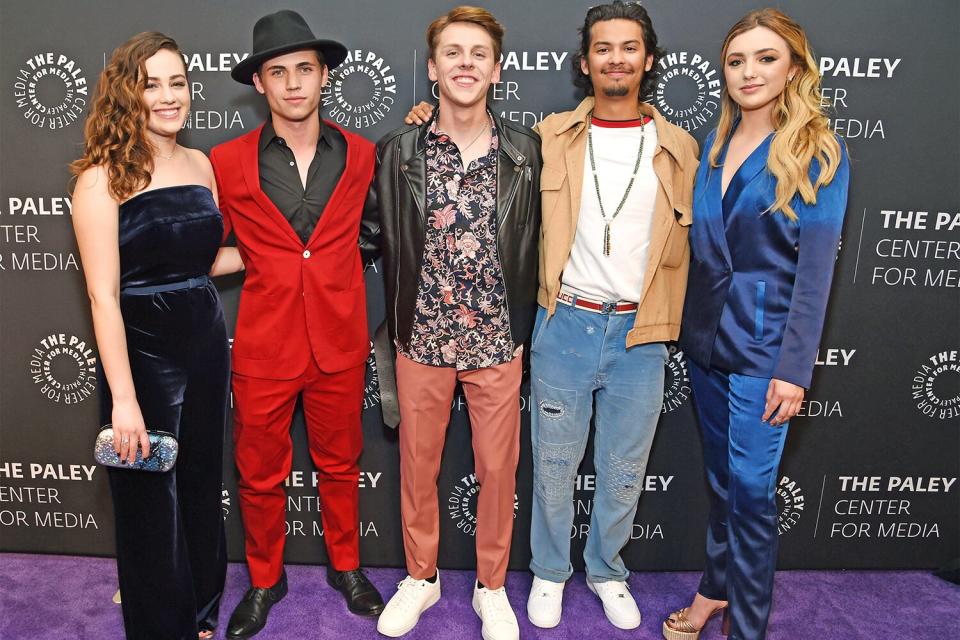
<point>551,409</point>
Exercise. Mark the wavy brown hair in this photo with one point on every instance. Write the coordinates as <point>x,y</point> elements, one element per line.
<point>115,131</point>
<point>801,128</point>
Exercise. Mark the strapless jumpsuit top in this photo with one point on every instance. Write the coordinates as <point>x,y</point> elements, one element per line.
<point>172,315</point>
<point>168,235</point>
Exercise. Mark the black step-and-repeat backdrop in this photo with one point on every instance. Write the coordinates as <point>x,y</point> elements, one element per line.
<point>869,479</point>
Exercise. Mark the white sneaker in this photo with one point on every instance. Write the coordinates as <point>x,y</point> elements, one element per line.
<point>619,606</point>
<point>412,598</point>
<point>499,621</point>
<point>545,603</point>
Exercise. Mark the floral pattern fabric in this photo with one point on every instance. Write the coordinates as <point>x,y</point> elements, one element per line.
<point>460,319</point>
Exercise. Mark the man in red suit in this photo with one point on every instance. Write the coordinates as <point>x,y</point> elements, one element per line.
<point>293,192</point>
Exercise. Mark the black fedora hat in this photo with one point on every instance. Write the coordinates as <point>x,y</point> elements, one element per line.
<point>283,32</point>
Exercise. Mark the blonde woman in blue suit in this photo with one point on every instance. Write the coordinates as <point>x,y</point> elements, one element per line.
<point>769,202</point>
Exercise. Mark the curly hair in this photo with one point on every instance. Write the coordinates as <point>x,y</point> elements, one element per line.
<point>618,10</point>
<point>801,129</point>
<point>115,131</point>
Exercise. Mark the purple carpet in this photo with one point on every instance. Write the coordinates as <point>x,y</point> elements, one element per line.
<point>69,597</point>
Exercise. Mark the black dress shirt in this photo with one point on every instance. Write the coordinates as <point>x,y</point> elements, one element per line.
<point>280,178</point>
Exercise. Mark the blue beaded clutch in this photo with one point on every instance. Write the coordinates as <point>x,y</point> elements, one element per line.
<point>163,452</point>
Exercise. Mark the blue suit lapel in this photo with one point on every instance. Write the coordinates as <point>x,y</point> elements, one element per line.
<point>752,167</point>
<point>714,209</point>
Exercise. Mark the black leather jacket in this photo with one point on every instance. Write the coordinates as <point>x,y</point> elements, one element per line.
<point>401,192</point>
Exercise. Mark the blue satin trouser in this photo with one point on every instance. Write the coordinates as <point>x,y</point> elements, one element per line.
<point>741,456</point>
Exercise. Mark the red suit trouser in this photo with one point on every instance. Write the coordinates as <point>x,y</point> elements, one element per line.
<point>263,451</point>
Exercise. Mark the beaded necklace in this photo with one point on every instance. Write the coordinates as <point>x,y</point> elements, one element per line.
<point>596,183</point>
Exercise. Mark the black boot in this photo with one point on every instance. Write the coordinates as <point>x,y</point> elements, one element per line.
<point>362,597</point>
<point>250,616</point>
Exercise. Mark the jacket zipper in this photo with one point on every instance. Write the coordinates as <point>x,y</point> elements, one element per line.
<point>509,204</point>
<point>396,199</point>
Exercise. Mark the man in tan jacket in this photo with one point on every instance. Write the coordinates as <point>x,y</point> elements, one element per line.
<point>616,189</point>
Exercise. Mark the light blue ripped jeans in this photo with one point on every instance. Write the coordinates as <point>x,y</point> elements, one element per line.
<point>580,368</point>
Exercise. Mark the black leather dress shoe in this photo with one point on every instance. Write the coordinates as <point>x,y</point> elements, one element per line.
<point>250,616</point>
<point>362,597</point>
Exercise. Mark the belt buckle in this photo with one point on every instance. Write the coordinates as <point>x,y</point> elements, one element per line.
<point>608,307</point>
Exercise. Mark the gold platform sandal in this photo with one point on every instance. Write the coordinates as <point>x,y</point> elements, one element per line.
<point>677,627</point>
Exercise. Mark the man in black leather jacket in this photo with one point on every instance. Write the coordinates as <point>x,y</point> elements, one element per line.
<point>400,185</point>
<point>460,221</point>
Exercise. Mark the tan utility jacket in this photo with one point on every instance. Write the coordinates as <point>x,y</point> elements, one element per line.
<point>564,140</point>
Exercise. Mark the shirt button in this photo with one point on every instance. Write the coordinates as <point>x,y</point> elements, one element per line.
<point>306,254</point>
<point>292,163</point>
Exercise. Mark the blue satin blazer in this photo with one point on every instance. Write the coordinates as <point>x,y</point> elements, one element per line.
<point>759,283</point>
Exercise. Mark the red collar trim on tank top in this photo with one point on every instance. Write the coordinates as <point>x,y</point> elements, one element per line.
<point>619,124</point>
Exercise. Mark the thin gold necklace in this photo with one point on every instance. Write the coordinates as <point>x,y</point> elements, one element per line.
<point>477,137</point>
<point>169,157</point>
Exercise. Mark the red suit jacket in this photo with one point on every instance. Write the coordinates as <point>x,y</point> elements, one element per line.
<point>297,299</point>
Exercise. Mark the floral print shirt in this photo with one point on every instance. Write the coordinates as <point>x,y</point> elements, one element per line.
<point>460,319</point>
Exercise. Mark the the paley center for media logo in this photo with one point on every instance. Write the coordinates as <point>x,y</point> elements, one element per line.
<point>64,368</point>
<point>688,90</point>
<point>50,90</point>
<point>361,91</point>
<point>936,386</point>
<point>676,383</point>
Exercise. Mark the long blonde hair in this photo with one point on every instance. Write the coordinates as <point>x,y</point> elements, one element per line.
<point>801,128</point>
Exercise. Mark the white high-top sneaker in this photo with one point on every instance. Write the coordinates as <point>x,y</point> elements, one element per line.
<point>499,621</point>
<point>618,604</point>
<point>545,603</point>
<point>412,598</point>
